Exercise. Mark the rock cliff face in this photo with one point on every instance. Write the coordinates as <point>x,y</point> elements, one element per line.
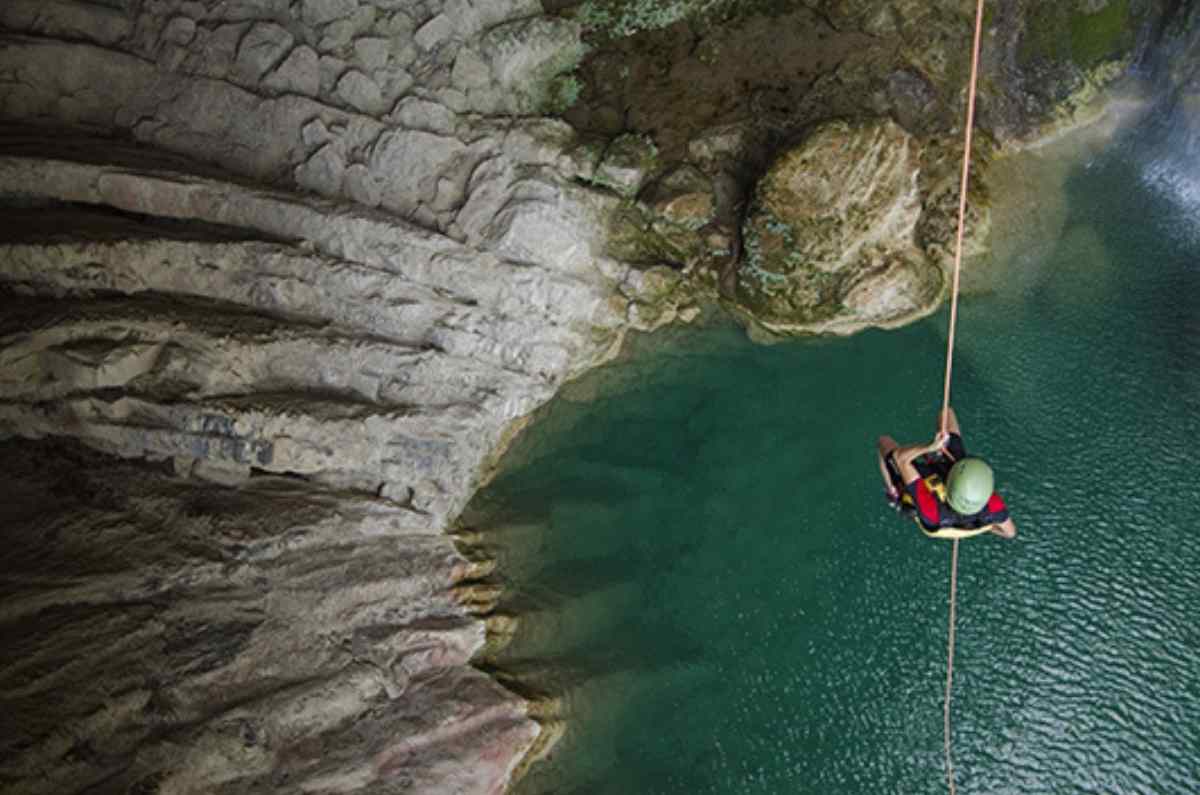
<point>165,635</point>
<point>279,280</point>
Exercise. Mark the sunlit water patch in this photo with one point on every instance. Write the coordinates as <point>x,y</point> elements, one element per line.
<point>709,579</point>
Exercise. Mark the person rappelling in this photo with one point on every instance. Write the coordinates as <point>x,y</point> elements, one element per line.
<point>966,503</point>
<point>948,493</point>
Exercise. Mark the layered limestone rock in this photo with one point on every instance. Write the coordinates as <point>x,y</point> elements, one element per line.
<point>830,239</point>
<point>279,280</point>
<point>164,635</point>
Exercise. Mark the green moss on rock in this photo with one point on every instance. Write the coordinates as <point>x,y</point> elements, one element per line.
<point>1105,34</point>
<point>563,93</point>
<point>1074,32</point>
<point>638,236</point>
<point>626,164</point>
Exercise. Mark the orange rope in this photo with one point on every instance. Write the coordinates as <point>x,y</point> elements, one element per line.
<point>950,666</point>
<point>958,246</point>
<point>962,211</point>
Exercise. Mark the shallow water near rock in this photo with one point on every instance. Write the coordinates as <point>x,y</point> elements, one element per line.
<point>708,576</point>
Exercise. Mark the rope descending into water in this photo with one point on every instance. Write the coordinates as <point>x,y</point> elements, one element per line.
<point>950,666</point>
<point>958,246</point>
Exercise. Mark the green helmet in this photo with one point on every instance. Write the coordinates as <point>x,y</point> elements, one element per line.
<point>969,486</point>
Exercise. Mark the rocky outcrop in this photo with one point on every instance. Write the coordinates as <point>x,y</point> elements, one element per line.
<point>279,281</point>
<point>822,73</point>
<point>830,239</point>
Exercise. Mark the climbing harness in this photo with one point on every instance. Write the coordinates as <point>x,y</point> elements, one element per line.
<point>933,471</point>
<point>958,246</point>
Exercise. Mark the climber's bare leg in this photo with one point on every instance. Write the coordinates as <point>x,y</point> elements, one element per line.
<point>886,445</point>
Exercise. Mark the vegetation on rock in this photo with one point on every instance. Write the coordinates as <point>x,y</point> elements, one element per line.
<point>619,18</point>
<point>1083,33</point>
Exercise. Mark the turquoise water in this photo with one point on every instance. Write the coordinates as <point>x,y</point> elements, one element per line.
<point>710,581</point>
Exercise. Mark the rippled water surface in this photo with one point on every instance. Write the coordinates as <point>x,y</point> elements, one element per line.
<point>711,582</point>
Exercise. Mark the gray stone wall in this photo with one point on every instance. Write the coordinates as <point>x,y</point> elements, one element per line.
<point>278,279</point>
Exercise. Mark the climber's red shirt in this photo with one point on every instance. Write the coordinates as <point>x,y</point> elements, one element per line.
<point>935,513</point>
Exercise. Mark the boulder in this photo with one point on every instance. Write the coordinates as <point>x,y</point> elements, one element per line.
<point>434,32</point>
<point>526,59</point>
<point>372,52</point>
<point>665,226</point>
<point>913,99</point>
<point>829,239</point>
<point>320,12</point>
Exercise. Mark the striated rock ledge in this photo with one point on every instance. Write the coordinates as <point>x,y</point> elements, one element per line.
<point>163,635</point>
<point>278,280</point>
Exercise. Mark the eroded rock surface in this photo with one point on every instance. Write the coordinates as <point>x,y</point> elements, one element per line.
<point>163,635</point>
<point>830,239</point>
<point>279,280</point>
